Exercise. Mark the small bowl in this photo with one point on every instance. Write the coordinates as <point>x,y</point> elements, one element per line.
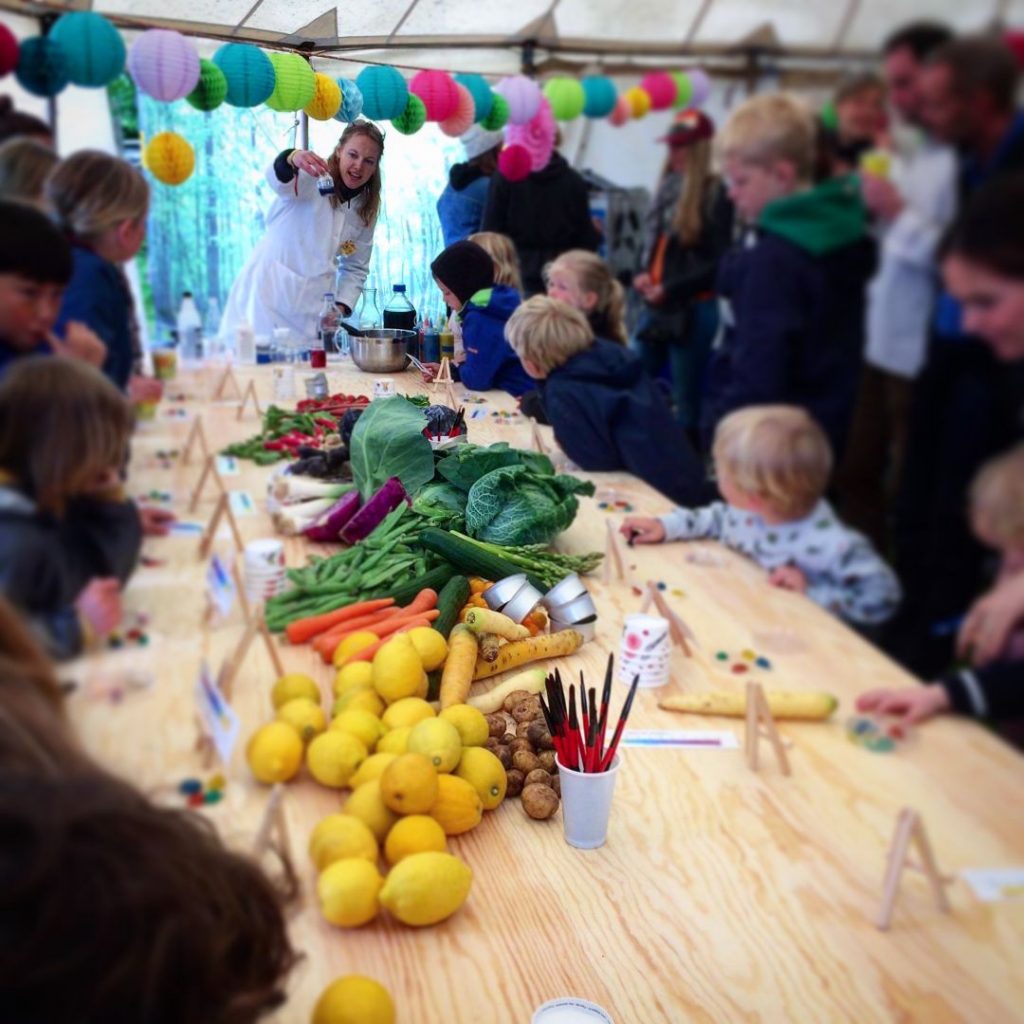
<point>564,591</point>
<point>500,593</point>
<point>527,598</point>
<point>575,610</point>
<point>586,629</point>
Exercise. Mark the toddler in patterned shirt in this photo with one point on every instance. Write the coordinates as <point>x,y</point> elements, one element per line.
<point>773,464</point>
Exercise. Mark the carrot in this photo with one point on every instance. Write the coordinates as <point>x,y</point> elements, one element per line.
<point>367,653</point>
<point>305,629</point>
<point>522,652</point>
<point>483,620</point>
<point>333,636</point>
<point>458,667</point>
<point>424,601</point>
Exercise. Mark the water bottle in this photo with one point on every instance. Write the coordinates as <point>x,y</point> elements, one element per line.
<point>211,326</point>
<point>327,324</point>
<point>190,329</point>
<point>399,313</point>
<point>245,342</point>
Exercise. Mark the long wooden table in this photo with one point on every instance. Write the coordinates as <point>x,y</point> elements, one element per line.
<point>721,895</point>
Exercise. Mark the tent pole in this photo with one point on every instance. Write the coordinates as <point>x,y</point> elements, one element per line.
<point>303,130</point>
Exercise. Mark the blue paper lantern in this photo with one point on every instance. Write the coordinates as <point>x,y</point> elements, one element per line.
<point>385,93</point>
<point>351,101</point>
<point>249,73</point>
<point>599,96</point>
<point>483,98</point>
<point>42,66</point>
<point>93,48</point>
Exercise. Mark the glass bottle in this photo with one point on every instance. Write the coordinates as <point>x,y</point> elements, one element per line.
<point>399,313</point>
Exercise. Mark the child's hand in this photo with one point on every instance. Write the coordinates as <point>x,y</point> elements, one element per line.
<point>79,343</point>
<point>788,577</point>
<point>100,605</point>
<point>430,371</point>
<point>986,630</point>
<point>642,530</point>
<point>156,522</point>
<point>144,389</point>
<point>911,705</point>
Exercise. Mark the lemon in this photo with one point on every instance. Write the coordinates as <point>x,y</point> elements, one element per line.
<point>293,685</point>
<point>274,752</point>
<point>367,727</point>
<point>430,646</point>
<point>397,669</point>
<point>407,711</point>
<point>424,688</point>
<point>458,807</point>
<point>425,888</point>
<point>414,834</point>
<point>358,674</point>
<point>485,773</point>
<point>354,999</point>
<point>469,721</point>
<point>333,758</point>
<point>347,890</point>
<point>372,768</point>
<point>353,644</point>
<point>359,698</point>
<point>438,740</point>
<point>304,716</point>
<point>409,784</point>
<point>394,742</point>
<point>367,804</point>
<point>340,836</point>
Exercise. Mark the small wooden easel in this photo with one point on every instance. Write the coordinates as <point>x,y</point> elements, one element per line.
<point>229,670</point>
<point>910,829</point>
<point>613,564</point>
<point>209,466</point>
<point>444,373</point>
<point>196,435</point>
<point>249,393</point>
<point>222,508</point>
<point>273,826</point>
<point>761,724</point>
<point>228,376</point>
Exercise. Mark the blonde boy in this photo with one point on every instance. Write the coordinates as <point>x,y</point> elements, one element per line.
<point>773,464</point>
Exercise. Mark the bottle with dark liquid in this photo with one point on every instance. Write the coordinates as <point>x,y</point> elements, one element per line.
<point>399,313</point>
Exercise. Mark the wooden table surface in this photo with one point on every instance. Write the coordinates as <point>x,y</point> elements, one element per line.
<point>720,896</point>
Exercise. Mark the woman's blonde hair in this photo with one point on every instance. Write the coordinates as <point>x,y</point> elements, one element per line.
<point>25,164</point>
<point>777,452</point>
<point>688,218</point>
<point>370,205</point>
<point>502,250</point>
<point>772,126</point>
<point>92,192</point>
<point>593,275</point>
<point>548,333</point>
<point>62,425</point>
<point>997,498</point>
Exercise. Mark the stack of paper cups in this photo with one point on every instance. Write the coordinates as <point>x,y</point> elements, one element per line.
<point>264,570</point>
<point>645,650</point>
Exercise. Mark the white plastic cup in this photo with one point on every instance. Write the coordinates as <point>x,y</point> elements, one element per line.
<point>570,1010</point>
<point>587,804</point>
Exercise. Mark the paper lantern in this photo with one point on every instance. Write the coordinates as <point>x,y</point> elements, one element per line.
<point>830,116</point>
<point>700,86</point>
<point>326,99</point>
<point>42,66</point>
<point>599,96</point>
<point>478,88</point>
<point>164,64</point>
<point>8,51</point>
<point>537,136</point>
<point>212,88</point>
<point>94,50</point>
<point>684,89</point>
<point>169,158</point>
<point>385,93</point>
<point>465,113</point>
<point>351,101</point>
<point>661,87</point>
<point>523,95</point>
<point>413,118</point>
<point>621,112</point>
<point>514,162</point>
<point>294,82</point>
<point>249,74</point>
<point>566,97</point>
<point>498,117</point>
<point>639,101</point>
<point>438,92</point>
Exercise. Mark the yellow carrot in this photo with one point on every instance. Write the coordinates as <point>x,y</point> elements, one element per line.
<point>458,667</point>
<point>522,652</point>
<point>483,620</point>
<point>531,680</point>
<point>490,644</point>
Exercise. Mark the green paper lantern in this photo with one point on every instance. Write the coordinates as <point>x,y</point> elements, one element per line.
<point>830,117</point>
<point>42,66</point>
<point>483,98</point>
<point>94,52</point>
<point>294,82</point>
<point>566,97</point>
<point>684,89</point>
<point>413,118</point>
<point>212,88</point>
<point>498,117</point>
<point>249,74</point>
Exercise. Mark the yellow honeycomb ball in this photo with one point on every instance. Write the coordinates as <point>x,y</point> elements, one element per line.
<point>326,100</point>
<point>169,158</point>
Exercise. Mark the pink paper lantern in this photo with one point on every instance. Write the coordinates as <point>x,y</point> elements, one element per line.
<point>537,136</point>
<point>8,51</point>
<point>439,93</point>
<point>164,64</point>
<point>523,96</point>
<point>662,88</point>
<point>621,112</point>
<point>514,162</point>
<point>701,86</point>
<point>465,114</point>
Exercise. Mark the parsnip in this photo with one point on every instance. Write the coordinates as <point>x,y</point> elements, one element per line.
<point>532,681</point>
<point>810,705</point>
<point>458,667</point>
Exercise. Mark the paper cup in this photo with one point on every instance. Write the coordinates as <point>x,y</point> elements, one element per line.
<point>165,363</point>
<point>145,410</point>
<point>644,651</point>
<point>570,1011</point>
<point>269,552</point>
<point>587,804</point>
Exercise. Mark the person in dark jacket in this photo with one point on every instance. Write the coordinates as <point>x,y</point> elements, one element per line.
<point>793,291</point>
<point>606,412</point>
<point>546,214</point>
<point>461,205</point>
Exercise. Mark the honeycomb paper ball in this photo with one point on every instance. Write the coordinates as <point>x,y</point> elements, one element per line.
<point>684,89</point>
<point>385,93</point>
<point>94,50</point>
<point>566,97</point>
<point>413,118</point>
<point>169,158</point>
<point>599,94</point>
<point>42,66</point>
<point>212,88</point>
<point>439,94</point>
<point>537,136</point>
<point>639,101</point>
<point>523,95</point>
<point>700,85</point>
<point>514,162</point>
<point>465,113</point>
<point>478,88</point>
<point>498,117</point>
<point>8,51</point>
<point>249,74</point>
<point>661,87</point>
<point>294,82</point>
<point>351,101</point>
<point>830,116</point>
<point>621,112</point>
<point>326,98</point>
<point>164,64</point>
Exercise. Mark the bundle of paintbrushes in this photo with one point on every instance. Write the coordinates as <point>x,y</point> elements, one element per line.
<point>579,738</point>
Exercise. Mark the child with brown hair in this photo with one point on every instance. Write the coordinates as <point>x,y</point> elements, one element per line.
<point>773,464</point>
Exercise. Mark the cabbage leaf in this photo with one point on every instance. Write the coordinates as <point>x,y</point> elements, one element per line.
<point>388,441</point>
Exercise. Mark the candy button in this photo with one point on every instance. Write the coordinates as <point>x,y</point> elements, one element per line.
<point>722,656</point>
<point>661,586</point>
<point>763,663</point>
<point>190,786</point>
<point>748,655</point>
<point>214,796</point>
<point>739,668</point>
<point>196,800</point>
<point>216,782</point>
<point>880,744</point>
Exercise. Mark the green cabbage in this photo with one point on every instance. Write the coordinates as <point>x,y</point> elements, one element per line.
<point>388,441</point>
<point>469,462</point>
<point>443,504</point>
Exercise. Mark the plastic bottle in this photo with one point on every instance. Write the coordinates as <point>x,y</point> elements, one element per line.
<point>190,329</point>
<point>245,343</point>
<point>399,313</point>
<point>431,343</point>
<point>211,326</point>
<point>327,326</point>
<point>446,341</point>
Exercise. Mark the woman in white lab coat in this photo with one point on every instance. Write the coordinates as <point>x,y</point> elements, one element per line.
<point>284,281</point>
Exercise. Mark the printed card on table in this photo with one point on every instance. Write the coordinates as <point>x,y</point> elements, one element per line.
<point>218,717</point>
<point>227,465</point>
<point>220,586</point>
<point>992,885</point>
<point>242,503</point>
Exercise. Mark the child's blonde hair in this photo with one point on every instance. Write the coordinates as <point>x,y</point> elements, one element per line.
<point>770,127</point>
<point>548,333</point>
<point>92,192</point>
<point>24,166</point>
<point>997,499</point>
<point>502,250</point>
<point>777,452</point>
<point>593,275</point>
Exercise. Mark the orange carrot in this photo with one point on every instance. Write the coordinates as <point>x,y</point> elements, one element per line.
<point>422,602</point>
<point>333,636</point>
<point>367,653</point>
<point>301,630</point>
<point>385,629</point>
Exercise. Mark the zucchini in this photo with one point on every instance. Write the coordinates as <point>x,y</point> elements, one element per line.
<point>810,705</point>
<point>450,602</point>
<point>472,560</point>
<point>436,579</point>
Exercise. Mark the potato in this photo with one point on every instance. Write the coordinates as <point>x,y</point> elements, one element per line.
<point>514,698</point>
<point>525,761</point>
<point>515,782</point>
<point>538,735</point>
<point>509,738</point>
<point>556,785</point>
<point>522,729</point>
<point>504,755</point>
<point>547,761</point>
<point>538,775</point>
<point>492,743</point>
<point>516,745</point>
<point>524,712</point>
<point>539,801</point>
<point>496,725</point>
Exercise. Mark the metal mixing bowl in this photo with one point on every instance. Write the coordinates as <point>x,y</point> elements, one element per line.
<point>382,350</point>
